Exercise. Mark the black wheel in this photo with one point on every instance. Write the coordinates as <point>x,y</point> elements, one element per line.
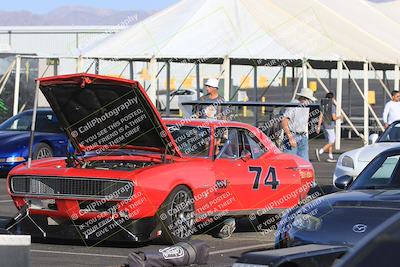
<point>177,216</point>
<point>41,151</point>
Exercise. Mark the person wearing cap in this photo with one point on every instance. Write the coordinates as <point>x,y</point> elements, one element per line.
<point>215,110</point>
<point>295,125</point>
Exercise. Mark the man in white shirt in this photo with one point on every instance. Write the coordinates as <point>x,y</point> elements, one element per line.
<point>391,112</point>
<point>295,125</point>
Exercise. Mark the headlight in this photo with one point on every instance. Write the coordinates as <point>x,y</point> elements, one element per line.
<point>15,159</point>
<point>347,162</point>
<point>307,222</point>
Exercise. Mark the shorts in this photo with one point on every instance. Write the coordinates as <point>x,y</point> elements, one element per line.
<point>330,136</point>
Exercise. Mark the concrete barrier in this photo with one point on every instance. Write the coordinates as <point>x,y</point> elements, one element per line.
<point>15,250</point>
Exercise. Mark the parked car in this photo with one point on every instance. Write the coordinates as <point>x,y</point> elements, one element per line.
<point>354,161</point>
<point>50,140</point>
<point>343,218</point>
<point>176,97</point>
<point>136,177</point>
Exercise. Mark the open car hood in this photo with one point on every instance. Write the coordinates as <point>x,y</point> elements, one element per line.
<point>99,112</point>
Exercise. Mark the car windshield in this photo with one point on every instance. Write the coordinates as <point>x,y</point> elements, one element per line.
<point>392,134</point>
<point>45,122</point>
<point>382,173</point>
<point>192,141</point>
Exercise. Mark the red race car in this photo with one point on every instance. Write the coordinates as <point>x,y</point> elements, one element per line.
<point>133,176</point>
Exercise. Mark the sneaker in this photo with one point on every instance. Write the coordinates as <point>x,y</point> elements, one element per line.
<point>331,160</point>
<point>227,229</point>
<point>317,154</point>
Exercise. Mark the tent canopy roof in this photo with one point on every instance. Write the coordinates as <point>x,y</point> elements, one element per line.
<point>256,32</point>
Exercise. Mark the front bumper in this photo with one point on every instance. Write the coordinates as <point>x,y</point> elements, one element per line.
<point>102,230</point>
<point>5,168</point>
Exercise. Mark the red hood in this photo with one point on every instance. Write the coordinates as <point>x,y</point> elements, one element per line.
<point>107,112</point>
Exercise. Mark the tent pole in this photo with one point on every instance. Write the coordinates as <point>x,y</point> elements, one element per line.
<point>131,74</point>
<point>153,79</point>
<point>396,77</point>
<point>349,92</point>
<point>79,62</point>
<point>296,88</point>
<point>227,77</point>
<point>293,78</point>
<point>198,80</point>
<point>366,122</point>
<point>305,77</point>
<point>168,102</point>
<point>339,89</point>
<point>97,66</point>
<point>55,67</point>
<point>16,85</point>
<point>283,81</point>
<point>6,76</point>
<point>256,94</point>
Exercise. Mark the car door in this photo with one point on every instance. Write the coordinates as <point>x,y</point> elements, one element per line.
<point>265,176</point>
<point>241,177</point>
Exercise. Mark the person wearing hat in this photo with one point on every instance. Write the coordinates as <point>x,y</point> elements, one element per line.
<point>215,110</point>
<point>295,125</point>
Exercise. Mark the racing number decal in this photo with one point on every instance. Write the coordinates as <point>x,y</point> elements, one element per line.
<point>270,179</point>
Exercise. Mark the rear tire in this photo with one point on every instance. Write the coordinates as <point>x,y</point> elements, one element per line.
<point>42,151</point>
<point>177,216</point>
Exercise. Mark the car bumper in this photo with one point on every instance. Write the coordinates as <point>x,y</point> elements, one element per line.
<point>5,168</point>
<point>104,230</point>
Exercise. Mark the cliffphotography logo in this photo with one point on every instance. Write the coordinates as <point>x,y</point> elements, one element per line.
<point>172,252</point>
<point>359,228</point>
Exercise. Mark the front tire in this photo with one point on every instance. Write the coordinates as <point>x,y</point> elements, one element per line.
<point>177,216</point>
<point>42,151</point>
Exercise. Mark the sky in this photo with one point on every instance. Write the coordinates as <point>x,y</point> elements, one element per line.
<point>43,6</point>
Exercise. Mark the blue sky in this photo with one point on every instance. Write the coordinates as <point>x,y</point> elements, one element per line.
<point>43,6</point>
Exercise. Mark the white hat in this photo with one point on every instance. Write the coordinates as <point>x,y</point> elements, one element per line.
<point>307,93</point>
<point>212,83</point>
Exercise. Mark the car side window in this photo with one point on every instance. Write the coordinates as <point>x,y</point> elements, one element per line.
<point>227,143</point>
<point>252,144</point>
<point>47,123</point>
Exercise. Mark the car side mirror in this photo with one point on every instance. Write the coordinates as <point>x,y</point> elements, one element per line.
<point>245,155</point>
<point>343,182</point>
<point>373,138</point>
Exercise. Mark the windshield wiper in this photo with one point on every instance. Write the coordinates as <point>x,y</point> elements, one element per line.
<point>385,187</point>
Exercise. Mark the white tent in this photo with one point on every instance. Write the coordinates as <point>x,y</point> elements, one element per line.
<point>324,30</point>
<point>315,33</point>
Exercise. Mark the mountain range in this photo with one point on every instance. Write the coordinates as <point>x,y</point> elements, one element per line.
<point>73,16</point>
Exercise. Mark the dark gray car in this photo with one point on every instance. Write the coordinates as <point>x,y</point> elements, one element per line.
<point>343,218</point>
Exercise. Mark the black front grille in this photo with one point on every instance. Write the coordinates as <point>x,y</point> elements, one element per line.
<point>71,187</point>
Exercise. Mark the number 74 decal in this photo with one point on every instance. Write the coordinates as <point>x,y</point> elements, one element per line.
<point>270,179</point>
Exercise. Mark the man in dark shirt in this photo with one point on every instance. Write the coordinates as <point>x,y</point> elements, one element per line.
<point>215,110</point>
